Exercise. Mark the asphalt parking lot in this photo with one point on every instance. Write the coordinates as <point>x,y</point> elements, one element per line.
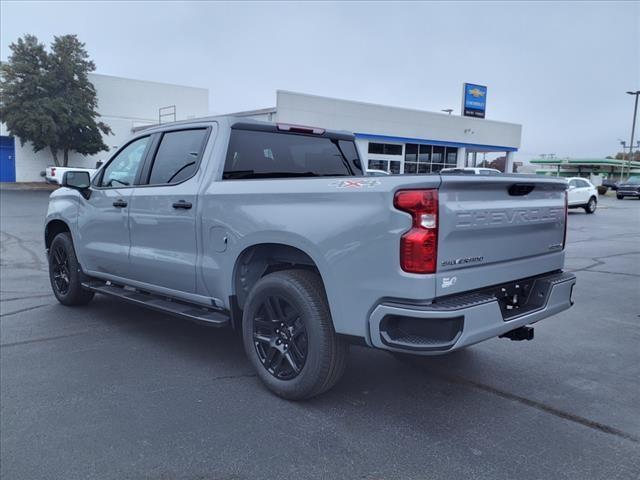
<point>115,391</point>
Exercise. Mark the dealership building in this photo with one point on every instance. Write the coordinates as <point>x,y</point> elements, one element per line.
<point>125,105</point>
<point>397,140</point>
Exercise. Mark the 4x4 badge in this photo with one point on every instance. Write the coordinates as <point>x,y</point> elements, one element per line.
<point>358,184</point>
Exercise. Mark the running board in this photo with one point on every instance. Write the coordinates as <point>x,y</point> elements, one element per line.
<point>207,316</point>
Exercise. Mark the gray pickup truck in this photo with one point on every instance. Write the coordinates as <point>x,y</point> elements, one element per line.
<point>274,230</point>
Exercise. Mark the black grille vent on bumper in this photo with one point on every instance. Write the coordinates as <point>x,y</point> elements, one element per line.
<point>412,333</point>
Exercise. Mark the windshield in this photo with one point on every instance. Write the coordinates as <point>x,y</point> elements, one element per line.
<point>633,180</point>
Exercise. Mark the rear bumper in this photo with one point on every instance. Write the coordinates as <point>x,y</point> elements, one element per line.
<point>462,320</point>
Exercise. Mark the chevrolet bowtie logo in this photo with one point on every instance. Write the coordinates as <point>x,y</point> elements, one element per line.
<point>476,92</point>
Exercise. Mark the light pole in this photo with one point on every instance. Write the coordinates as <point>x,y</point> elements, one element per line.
<point>633,128</point>
<point>624,147</point>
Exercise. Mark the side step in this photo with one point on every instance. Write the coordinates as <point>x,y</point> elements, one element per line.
<point>208,316</point>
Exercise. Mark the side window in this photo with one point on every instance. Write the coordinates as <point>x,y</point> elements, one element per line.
<point>122,170</point>
<point>572,183</point>
<point>583,184</point>
<point>177,156</point>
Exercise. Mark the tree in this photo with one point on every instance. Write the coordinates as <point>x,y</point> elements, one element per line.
<point>499,163</point>
<point>626,156</point>
<point>48,100</point>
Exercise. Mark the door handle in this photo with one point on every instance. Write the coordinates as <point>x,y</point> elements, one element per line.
<point>182,204</point>
<point>120,203</point>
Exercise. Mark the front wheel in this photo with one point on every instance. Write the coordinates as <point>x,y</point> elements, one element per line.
<point>289,337</point>
<point>65,274</point>
<point>591,205</point>
<point>619,197</point>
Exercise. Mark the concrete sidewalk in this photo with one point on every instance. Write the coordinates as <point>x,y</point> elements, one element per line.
<point>28,186</point>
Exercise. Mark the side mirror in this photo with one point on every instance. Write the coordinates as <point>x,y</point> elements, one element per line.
<point>98,164</point>
<point>572,187</point>
<point>76,179</point>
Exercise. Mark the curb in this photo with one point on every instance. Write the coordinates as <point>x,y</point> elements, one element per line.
<point>42,186</point>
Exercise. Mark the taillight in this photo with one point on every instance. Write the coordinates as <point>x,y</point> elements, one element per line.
<point>566,218</point>
<point>53,171</point>
<point>419,246</point>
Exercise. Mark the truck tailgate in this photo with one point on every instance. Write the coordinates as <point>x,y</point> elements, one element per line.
<point>495,229</point>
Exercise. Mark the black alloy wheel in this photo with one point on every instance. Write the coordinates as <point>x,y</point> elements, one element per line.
<point>288,334</point>
<point>280,338</point>
<point>61,271</point>
<point>65,274</point>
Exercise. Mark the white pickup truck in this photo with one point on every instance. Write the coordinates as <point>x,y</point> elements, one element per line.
<point>54,174</point>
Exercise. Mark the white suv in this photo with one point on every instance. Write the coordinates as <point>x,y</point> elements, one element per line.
<point>582,194</point>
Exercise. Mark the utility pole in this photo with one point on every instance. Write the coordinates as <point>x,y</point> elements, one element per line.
<point>633,128</point>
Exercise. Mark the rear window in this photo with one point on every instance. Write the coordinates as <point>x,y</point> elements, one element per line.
<point>260,154</point>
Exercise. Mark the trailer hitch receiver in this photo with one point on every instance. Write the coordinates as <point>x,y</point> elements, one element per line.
<point>519,334</point>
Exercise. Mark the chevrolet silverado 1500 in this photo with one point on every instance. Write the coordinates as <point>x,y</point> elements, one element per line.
<point>275,230</point>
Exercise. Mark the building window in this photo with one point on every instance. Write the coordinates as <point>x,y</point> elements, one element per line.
<point>379,165</point>
<point>425,154</point>
<point>418,158</point>
<point>411,152</point>
<point>391,166</point>
<point>452,156</point>
<point>438,154</point>
<point>385,148</point>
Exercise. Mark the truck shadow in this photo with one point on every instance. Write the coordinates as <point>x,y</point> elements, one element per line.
<point>221,349</point>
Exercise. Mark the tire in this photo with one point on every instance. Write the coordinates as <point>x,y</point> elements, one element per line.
<point>619,197</point>
<point>591,206</point>
<point>65,274</point>
<point>295,299</point>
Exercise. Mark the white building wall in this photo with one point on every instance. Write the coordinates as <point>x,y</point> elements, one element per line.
<point>369,118</point>
<point>123,104</point>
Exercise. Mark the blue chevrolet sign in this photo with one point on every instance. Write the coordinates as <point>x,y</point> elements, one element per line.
<point>474,100</point>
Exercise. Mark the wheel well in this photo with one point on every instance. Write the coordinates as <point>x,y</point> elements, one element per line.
<point>259,260</point>
<point>53,228</point>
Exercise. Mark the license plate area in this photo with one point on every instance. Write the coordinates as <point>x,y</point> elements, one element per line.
<point>520,297</point>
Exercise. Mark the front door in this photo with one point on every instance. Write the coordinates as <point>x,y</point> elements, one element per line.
<point>103,218</point>
<point>162,213</point>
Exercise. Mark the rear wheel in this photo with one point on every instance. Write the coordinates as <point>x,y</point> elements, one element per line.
<point>591,205</point>
<point>289,337</point>
<point>64,272</point>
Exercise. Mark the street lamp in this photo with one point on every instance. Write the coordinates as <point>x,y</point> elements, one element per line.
<point>633,127</point>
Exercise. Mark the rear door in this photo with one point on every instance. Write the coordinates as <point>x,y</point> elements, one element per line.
<point>579,191</point>
<point>498,228</point>
<point>585,188</point>
<point>162,213</point>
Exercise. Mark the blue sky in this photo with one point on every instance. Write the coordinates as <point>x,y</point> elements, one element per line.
<point>559,69</point>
